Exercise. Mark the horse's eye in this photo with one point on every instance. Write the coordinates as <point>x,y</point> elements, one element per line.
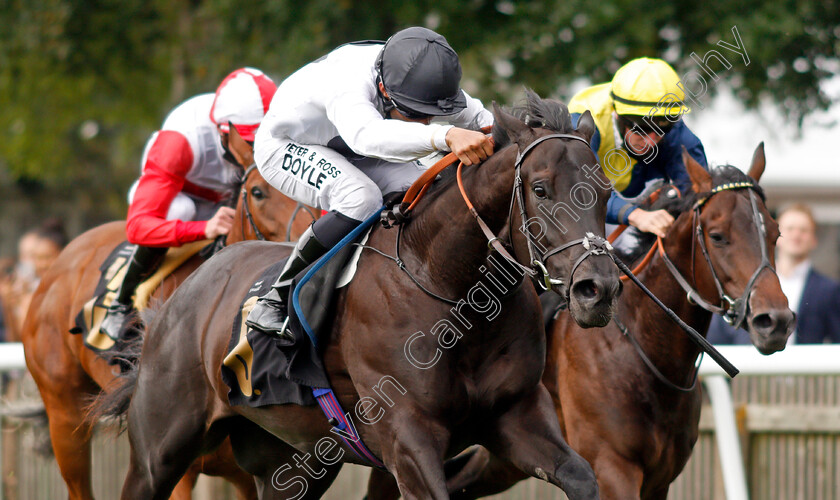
<point>718,239</point>
<point>257,193</point>
<point>540,191</point>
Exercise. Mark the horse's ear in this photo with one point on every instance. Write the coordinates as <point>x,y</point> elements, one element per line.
<point>758,163</point>
<point>586,125</point>
<point>517,130</point>
<point>701,179</point>
<point>239,147</point>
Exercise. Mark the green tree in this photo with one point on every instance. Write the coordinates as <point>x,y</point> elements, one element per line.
<point>83,83</point>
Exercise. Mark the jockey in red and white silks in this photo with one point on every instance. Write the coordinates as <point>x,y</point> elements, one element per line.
<point>187,176</point>
<point>186,171</point>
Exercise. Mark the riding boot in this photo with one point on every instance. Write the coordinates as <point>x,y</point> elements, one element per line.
<point>270,313</point>
<point>143,262</point>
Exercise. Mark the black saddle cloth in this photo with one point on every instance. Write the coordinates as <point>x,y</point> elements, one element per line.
<point>261,369</point>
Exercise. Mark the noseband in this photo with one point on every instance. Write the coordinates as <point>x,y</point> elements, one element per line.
<point>734,311</point>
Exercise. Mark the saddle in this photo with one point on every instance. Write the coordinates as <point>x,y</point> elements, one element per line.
<point>261,369</point>
<point>113,270</point>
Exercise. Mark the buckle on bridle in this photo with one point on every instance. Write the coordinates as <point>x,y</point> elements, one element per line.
<point>547,282</point>
<point>394,217</point>
<point>733,311</point>
<point>602,246</point>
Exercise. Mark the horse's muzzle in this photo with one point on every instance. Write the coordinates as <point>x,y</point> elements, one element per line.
<point>769,330</point>
<point>593,295</point>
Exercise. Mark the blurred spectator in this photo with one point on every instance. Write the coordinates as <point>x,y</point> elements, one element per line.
<point>814,297</point>
<point>7,269</point>
<point>37,249</point>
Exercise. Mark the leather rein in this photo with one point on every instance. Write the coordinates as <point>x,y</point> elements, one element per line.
<point>247,210</point>
<point>592,244</point>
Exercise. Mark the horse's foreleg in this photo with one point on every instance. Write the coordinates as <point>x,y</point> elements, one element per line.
<point>183,490</point>
<point>528,436</point>
<point>659,494</point>
<point>618,478</point>
<point>222,463</point>
<point>415,457</point>
<point>382,486</point>
<point>483,475</point>
<point>473,474</point>
<point>280,470</point>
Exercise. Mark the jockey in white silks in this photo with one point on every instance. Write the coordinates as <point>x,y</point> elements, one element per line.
<point>345,129</point>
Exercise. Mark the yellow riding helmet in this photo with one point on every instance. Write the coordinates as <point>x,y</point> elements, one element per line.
<point>638,88</point>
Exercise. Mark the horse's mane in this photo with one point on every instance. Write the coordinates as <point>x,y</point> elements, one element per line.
<point>536,112</point>
<point>721,175</point>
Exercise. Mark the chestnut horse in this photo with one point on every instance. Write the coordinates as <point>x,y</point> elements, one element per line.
<point>475,378</point>
<point>626,394</point>
<point>69,374</point>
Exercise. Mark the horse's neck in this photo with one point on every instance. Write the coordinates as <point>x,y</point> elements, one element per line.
<point>664,342</point>
<point>445,240</point>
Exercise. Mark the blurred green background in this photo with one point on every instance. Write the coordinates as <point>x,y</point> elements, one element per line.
<point>83,83</point>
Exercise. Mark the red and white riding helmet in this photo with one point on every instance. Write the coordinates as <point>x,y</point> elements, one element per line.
<point>242,99</point>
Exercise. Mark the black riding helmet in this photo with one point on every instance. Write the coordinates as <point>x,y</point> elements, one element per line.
<point>421,73</point>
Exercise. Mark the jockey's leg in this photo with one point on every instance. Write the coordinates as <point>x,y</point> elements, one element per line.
<point>142,263</point>
<point>390,177</point>
<point>318,176</point>
<point>270,312</point>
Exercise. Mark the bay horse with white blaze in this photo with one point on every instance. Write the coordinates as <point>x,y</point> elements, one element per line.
<point>479,374</point>
<point>69,375</point>
<point>626,394</point>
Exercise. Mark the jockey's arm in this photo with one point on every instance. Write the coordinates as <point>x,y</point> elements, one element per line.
<point>470,146</point>
<point>168,161</point>
<point>351,109</point>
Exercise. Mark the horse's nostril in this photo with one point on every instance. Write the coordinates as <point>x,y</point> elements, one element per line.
<point>763,322</point>
<point>586,289</point>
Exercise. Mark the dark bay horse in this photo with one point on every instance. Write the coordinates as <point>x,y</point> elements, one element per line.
<point>472,377</point>
<point>635,426</point>
<point>69,375</point>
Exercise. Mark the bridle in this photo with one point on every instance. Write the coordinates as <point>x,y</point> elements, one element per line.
<point>734,311</point>
<point>246,212</point>
<point>592,244</point>
<point>221,241</point>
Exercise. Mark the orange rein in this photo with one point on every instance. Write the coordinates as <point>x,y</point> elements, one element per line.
<point>418,188</point>
<point>659,245</point>
<point>643,264</point>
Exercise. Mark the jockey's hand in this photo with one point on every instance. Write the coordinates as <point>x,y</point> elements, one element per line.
<point>220,223</point>
<point>469,146</point>
<point>656,222</point>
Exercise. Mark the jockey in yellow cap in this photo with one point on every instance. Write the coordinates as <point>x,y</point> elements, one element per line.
<point>639,137</point>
